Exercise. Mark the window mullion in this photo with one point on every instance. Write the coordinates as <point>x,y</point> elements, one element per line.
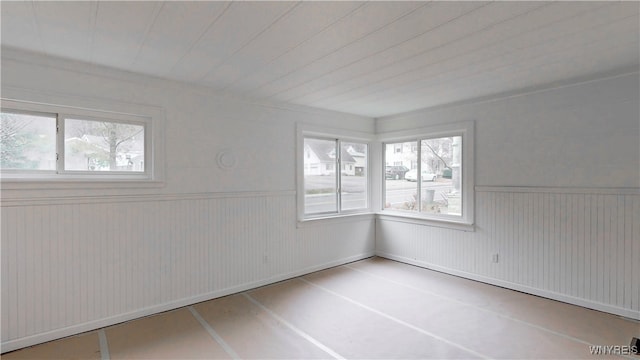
<point>338,176</point>
<point>59,144</point>
<point>419,176</point>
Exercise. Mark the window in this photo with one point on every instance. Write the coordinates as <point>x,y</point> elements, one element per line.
<point>48,142</point>
<point>27,141</point>
<point>91,145</point>
<point>327,191</point>
<point>437,179</point>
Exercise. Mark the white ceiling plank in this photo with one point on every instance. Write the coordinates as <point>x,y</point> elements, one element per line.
<point>367,58</point>
<point>177,26</point>
<point>19,28</point>
<point>425,49</point>
<point>411,27</point>
<point>120,31</point>
<point>367,19</point>
<point>69,26</point>
<point>303,22</point>
<point>387,64</point>
<point>233,30</point>
<point>530,42</point>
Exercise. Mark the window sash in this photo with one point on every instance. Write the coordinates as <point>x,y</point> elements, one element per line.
<point>337,166</point>
<point>61,117</point>
<point>464,210</point>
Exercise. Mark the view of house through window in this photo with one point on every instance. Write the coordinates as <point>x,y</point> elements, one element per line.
<point>30,143</point>
<point>425,176</point>
<point>103,146</point>
<point>327,190</point>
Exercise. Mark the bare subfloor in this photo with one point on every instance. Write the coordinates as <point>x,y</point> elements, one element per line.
<point>371,309</point>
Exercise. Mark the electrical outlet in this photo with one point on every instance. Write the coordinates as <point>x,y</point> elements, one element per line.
<point>495,258</point>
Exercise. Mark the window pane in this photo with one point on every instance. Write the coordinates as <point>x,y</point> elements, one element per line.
<point>103,146</point>
<point>400,191</point>
<point>441,173</point>
<point>320,182</point>
<point>353,178</point>
<point>28,142</point>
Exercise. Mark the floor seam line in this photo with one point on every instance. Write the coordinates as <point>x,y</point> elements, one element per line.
<point>227,348</point>
<point>294,328</point>
<point>104,345</point>
<point>396,320</point>
<point>569,337</point>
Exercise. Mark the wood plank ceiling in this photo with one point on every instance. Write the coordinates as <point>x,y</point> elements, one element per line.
<point>367,58</point>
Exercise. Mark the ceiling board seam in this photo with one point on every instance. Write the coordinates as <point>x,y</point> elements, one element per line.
<point>339,48</point>
<point>93,30</point>
<point>424,79</point>
<point>378,52</point>
<point>206,30</point>
<point>157,10</point>
<point>257,35</point>
<point>296,45</point>
<point>36,24</point>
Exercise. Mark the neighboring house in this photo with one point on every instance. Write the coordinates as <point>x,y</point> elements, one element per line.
<point>320,159</point>
<point>92,153</point>
<point>360,159</point>
<point>402,154</point>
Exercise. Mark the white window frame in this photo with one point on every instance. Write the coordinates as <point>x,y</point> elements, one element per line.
<point>466,131</point>
<point>340,136</point>
<point>149,117</point>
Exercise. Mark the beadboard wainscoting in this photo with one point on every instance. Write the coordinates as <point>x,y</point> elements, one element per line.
<point>75,264</point>
<point>581,246</point>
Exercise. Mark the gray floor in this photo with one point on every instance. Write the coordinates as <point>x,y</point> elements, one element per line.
<point>372,309</point>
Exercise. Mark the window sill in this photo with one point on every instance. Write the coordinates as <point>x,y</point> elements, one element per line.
<point>335,219</point>
<point>77,183</point>
<point>426,221</point>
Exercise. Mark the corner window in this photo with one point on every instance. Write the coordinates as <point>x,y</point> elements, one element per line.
<point>45,142</point>
<point>434,178</point>
<point>330,192</point>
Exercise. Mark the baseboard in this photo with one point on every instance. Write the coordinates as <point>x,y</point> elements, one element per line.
<point>97,324</point>
<point>518,287</point>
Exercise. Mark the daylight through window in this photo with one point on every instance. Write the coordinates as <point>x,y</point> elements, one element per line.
<point>424,176</point>
<point>327,191</point>
<point>59,144</point>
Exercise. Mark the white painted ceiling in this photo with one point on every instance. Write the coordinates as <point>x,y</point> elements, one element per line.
<point>366,58</point>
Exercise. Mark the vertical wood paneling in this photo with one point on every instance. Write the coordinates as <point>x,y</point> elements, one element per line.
<point>581,247</point>
<point>69,264</point>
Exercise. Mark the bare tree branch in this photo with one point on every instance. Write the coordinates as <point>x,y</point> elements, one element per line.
<point>438,156</point>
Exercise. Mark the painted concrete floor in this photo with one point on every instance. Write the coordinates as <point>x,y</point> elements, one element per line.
<point>371,309</point>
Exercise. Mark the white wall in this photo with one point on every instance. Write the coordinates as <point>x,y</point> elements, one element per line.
<point>75,259</point>
<point>557,195</point>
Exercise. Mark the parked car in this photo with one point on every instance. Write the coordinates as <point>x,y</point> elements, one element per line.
<point>412,175</point>
<point>395,172</point>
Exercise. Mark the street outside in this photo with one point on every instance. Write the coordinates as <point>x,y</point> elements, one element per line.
<point>399,193</point>
<point>323,193</point>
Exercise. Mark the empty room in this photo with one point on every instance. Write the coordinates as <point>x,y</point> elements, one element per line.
<point>320,180</point>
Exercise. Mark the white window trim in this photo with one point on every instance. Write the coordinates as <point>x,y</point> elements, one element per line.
<point>307,130</point>
<point>465,129</point>
<point>77,107</point>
